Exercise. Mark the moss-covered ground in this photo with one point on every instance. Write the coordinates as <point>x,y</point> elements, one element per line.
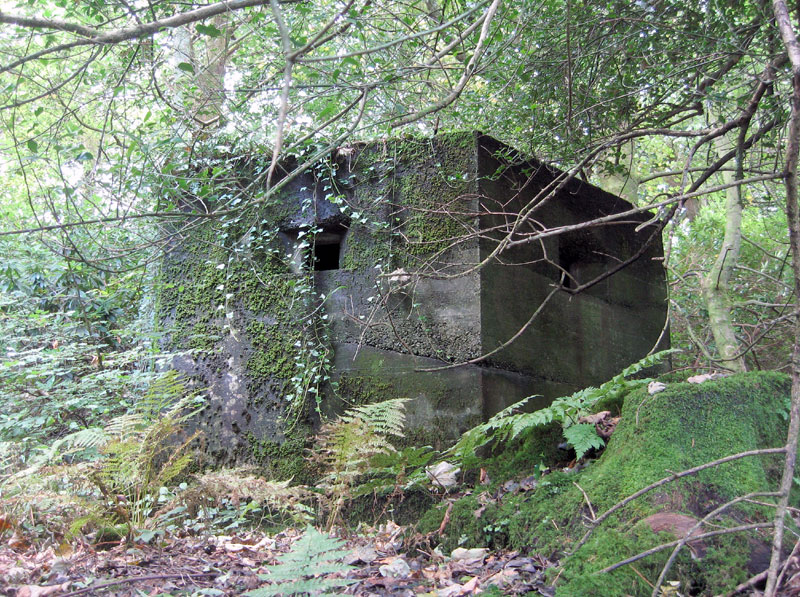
<point>681,427</point>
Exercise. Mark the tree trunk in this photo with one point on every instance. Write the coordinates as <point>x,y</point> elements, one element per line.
<point>789,38</point>
<point>715,285</point>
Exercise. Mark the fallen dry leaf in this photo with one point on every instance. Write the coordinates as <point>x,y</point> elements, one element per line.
<point>398,568</point>
<point>470,586</point>
<point>18,542</point>
<point>37,591</point>
<point>460,553</point>
<point>699,378</point>
<point>595,418</point>
<point>443,474</point>
<point>6,522</point>
<point>451,591</point>
<point>679,525</point>
<point>363,554</point>
<point>503,578</point>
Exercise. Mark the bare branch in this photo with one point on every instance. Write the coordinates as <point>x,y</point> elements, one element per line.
<point>663,546</point>
<point>394,42</point>
<point>144,30</point>
<point>468,72</point>
<point>792,46</point>
<point>686,473</point>
<point>42,23</point>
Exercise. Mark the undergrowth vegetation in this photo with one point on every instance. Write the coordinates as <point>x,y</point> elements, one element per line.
<point>98,444</point>
<point>134,471</point>
<point>510,423</point>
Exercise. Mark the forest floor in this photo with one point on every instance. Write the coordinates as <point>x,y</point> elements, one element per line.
<point>389,560</point>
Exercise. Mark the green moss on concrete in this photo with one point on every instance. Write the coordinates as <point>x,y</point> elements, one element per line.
<point>421,177</point>
<point>365,249</point>
<point>434,219</point>
<point>684,426</point>
<point>285,460</point>
<point>688,424</point>
<point>188,293</point>
<point>274,351</point>
<point>206,300</point>
<point>356,390</point>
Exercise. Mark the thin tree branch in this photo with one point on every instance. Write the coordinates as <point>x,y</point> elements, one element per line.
<point>663,546</point>
<point>121,35</point>
<point>686,473</point>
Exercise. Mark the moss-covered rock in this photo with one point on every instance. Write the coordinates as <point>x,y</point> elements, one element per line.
<point>682,427</point>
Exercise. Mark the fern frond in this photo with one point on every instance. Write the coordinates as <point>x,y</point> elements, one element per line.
<point>346,447</point>
<point>126,426</point>
<point>583,437</point>
<point>509,423</point>
<point>384,418</point>
<point>93,437</point>
<point>303,570</point>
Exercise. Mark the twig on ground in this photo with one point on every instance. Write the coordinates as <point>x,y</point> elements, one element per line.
<point>129,579</point>
<point>663,546</point>
<point>446,518</point>
<point>586,497</point>
<point>642,576</point>
<point>787,562</point>
<point>672,477</point>
<point>689,535</point>
<point>748,583</point>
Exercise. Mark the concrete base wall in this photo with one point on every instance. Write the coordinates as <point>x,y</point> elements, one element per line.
<point>249,328</point>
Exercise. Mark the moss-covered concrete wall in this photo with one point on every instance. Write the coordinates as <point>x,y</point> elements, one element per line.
<point>272,338</point>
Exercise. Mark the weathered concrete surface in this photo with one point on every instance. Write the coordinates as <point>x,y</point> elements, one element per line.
<point>258,324</point>
<point>442,404</point>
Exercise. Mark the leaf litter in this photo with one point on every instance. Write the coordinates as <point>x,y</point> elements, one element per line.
<point>388,560</point>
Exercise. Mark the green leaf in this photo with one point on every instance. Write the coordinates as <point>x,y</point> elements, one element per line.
<point>328,111</point>
<point>186,67</point>
<point>32,145</point>
<point>583,437</point>
<point>509,423</point>
<point>209,30</point>
<point>352,60</point>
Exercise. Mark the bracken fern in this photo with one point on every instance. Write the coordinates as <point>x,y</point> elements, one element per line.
<point>509,423</point>
<point>345,448</point>
<point>140,451</point>
<point>303,570</point>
